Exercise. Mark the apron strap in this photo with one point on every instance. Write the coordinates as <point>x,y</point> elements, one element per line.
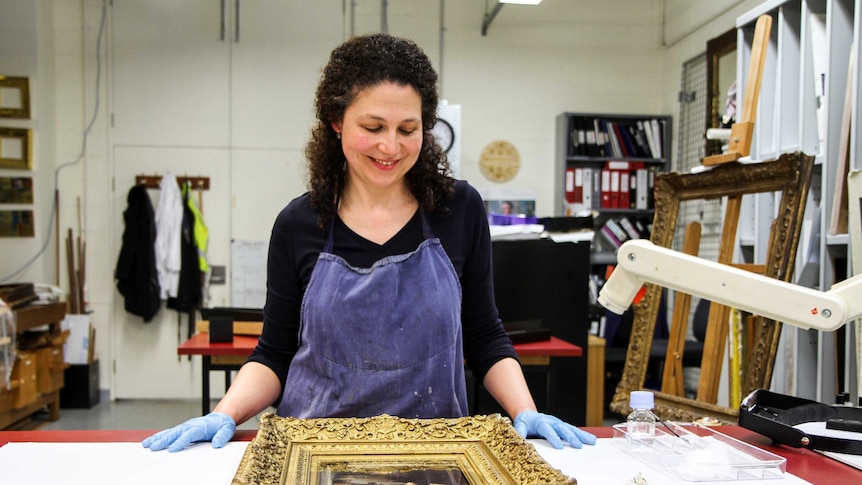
<point>427,233</point>
<point>327,248</point>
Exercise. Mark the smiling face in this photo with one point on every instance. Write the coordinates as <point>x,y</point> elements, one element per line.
<point>381,135</point>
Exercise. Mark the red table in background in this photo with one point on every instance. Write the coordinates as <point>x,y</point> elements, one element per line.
<point>223,356</point>
<point>229,356</point>
<point>548,348</point>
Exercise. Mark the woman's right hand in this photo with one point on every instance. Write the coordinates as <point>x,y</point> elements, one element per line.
<point>215,427</point>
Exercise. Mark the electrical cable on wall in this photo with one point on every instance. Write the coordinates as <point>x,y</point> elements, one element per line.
<point>77,160</point>
<point>384,16</point>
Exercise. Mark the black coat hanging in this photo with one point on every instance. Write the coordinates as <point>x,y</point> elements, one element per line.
<point>135,274</point>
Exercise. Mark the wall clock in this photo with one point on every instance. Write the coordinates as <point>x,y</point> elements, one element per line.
<point>444,134</point>
<point>499,161</point>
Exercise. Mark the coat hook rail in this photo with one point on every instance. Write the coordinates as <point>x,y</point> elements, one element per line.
<point>154,181</point>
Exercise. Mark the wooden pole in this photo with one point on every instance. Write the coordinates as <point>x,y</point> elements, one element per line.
<point>672,381</point>
<point>57,234</point>
<point>73,284</point>
<point>717,327</point>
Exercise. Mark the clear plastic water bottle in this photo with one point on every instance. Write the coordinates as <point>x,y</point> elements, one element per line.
<point>640,424</point>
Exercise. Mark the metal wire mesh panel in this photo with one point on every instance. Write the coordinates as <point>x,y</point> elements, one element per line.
<point>692,114</point>
<point>692,126</point>
<point>690,153</point>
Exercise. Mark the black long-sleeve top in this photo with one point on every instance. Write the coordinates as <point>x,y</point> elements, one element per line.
<point>297,240</point>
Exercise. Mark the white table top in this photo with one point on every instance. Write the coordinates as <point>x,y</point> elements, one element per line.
<point>98,463</point>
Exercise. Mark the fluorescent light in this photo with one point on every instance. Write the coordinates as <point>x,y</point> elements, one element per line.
<point>522,2</point>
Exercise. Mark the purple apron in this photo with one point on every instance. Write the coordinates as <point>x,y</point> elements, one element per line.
<point>380,340</point>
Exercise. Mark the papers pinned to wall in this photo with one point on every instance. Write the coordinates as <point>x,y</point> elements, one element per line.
<point>248,273</point>
<point>76,350</point>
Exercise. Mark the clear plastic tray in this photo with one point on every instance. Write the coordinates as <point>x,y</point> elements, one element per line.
<point>697,453</point>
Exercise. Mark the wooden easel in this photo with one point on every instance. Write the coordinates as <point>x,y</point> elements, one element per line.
<point>741,131</point>
<point>717,326</point>
<point>739,146</point>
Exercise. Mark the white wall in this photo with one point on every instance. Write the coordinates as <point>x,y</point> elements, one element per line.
<point>26,49</point>
<point>618,56</point>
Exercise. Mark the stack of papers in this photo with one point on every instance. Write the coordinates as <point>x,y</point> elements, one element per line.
<point>516,231</point>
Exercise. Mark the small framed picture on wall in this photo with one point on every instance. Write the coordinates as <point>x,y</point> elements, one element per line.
<point>16,148</point>
<point>14,97</point>
<point>16,190</point>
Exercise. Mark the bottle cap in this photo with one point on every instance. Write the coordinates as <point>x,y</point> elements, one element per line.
<point>641,400</point>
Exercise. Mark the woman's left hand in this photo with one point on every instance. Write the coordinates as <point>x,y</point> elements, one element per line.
<point>554,430</point>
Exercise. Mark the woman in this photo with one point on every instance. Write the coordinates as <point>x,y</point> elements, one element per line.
<point>379,278</point>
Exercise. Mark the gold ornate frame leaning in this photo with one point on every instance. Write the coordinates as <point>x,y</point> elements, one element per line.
<point>482,450</point>
<point>790,174</point>
<point>25,138</point>
<point>20,109</point>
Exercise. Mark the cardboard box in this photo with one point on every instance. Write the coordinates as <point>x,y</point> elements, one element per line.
<point>23,378</point>
<point>81,389</point>
<point>49,368</point>
<point>6,400</point>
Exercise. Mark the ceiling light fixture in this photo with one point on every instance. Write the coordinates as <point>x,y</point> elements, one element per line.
<point>522,2</point>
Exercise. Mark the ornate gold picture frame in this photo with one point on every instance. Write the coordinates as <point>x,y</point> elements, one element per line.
<point>476,450</point>
<point>16,148</point>
<point>790,174</point>
<point>14,97</point>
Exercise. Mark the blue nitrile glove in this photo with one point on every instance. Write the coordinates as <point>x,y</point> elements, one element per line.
<point>215,427</point>
<point>530,424</point>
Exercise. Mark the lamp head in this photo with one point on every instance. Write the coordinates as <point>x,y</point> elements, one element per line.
<point>620,290</point>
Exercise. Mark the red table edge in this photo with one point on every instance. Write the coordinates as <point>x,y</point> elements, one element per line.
<point>553,348</point>
<point>199,344</point>
<point>93,436</point>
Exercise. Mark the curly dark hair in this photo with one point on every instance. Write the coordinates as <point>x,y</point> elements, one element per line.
<point>357,64</point>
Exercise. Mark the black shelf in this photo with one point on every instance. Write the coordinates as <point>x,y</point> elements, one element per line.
<point>589,140</point>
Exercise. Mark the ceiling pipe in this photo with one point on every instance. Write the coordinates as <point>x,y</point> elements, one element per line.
<point>489,17</point>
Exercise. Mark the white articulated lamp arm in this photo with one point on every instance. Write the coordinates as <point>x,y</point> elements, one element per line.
<point>640,261</point>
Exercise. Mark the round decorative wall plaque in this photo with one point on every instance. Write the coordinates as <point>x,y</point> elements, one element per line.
<point>499,161</point>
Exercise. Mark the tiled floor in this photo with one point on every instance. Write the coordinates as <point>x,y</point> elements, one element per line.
<point>151,414</point>
<point>154,414</point>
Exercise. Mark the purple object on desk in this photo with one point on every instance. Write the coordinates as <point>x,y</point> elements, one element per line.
<point>509,220</point>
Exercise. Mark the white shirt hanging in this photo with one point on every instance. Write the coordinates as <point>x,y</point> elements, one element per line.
<point>169,220</point>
